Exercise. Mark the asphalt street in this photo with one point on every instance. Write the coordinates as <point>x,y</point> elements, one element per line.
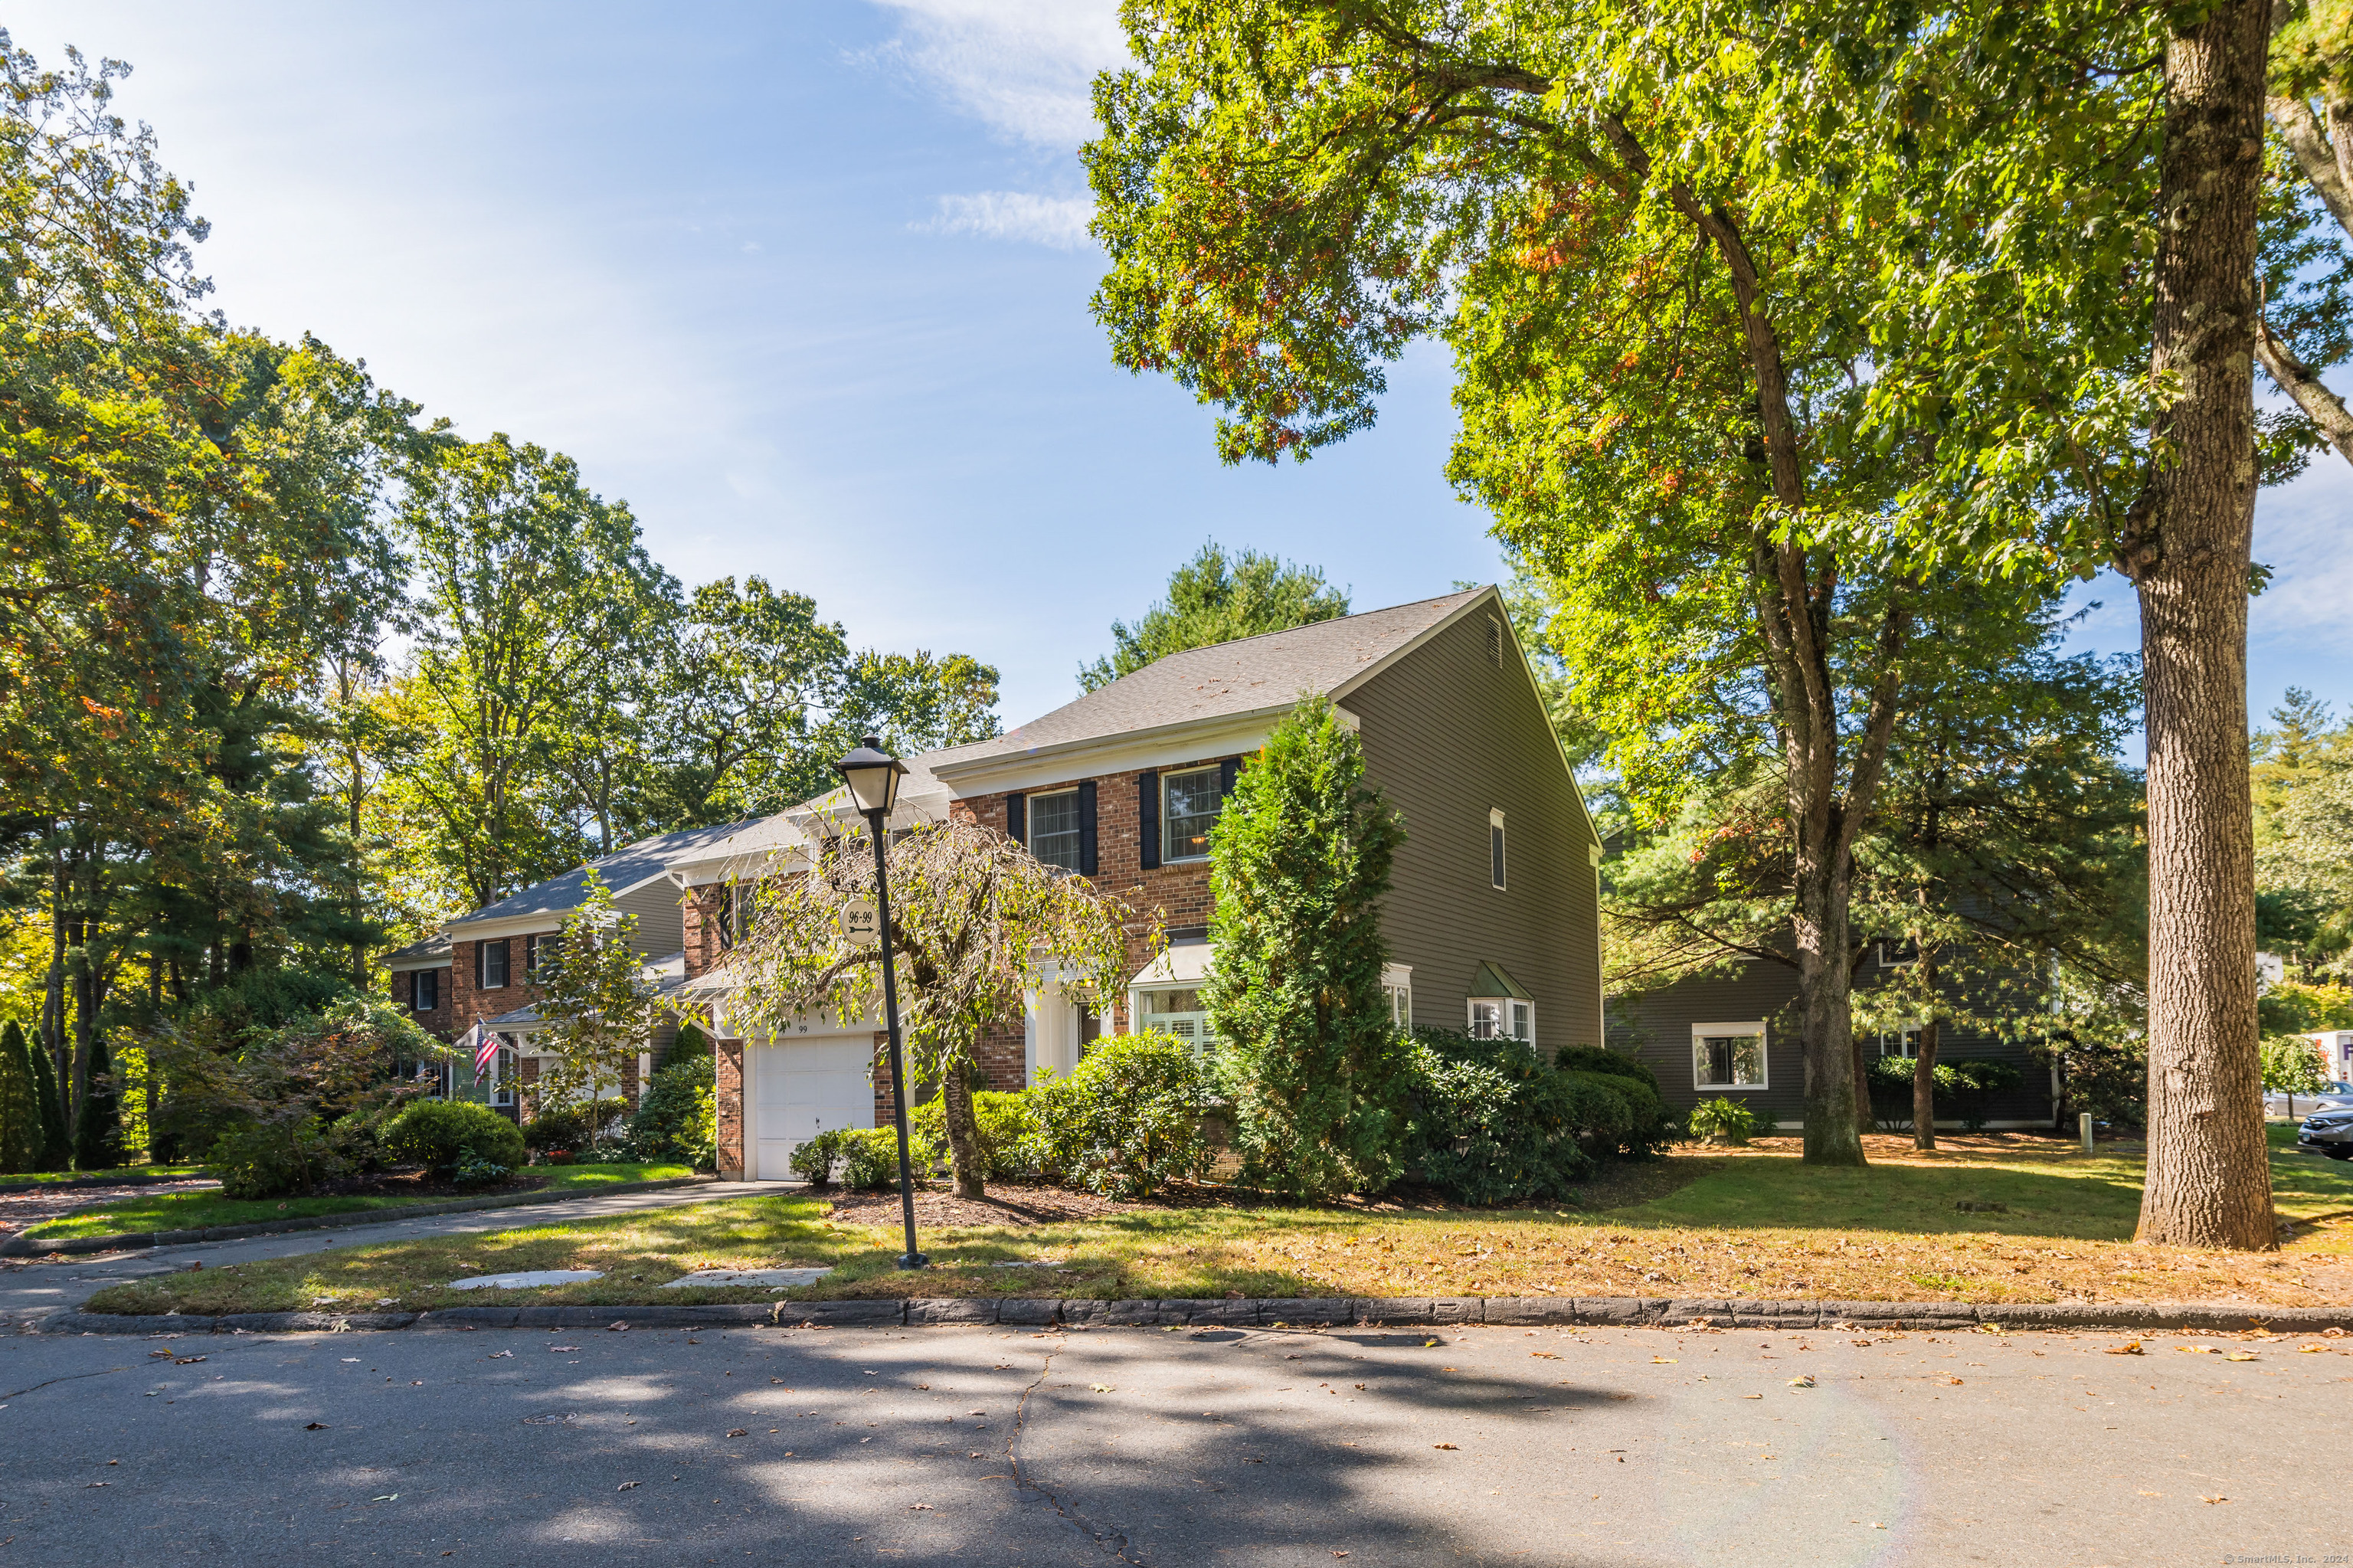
<point>32,1290</point>
<point>994,1446</point>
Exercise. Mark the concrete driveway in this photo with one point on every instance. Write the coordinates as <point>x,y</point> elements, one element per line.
<point>990,1446</point>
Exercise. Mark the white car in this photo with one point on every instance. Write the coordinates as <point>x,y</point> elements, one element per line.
<point>2328,1096</point>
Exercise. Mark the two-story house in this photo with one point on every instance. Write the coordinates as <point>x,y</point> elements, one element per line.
<point>1493,918</point>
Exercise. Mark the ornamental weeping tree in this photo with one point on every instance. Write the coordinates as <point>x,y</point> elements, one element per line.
<point>975,921</point>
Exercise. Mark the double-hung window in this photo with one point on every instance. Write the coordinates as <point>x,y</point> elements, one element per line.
<point>491,966</point>
<point>424,989</point>
<point>1189,808</point>
<point>1502,1018</point>
<point>1396,988</point>
<point>1054,828</point>
<point>1728,1055</point>
<point>1904,1042</point>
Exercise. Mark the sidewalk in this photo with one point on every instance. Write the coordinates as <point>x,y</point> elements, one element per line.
<point>31,1291</point>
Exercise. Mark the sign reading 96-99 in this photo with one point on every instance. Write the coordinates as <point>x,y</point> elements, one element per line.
<point>860,924</point>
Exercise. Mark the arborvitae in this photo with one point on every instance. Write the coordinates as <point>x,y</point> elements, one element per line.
<point>56,1143</point>
<point>97,1130</point>
<point>22,1142</point>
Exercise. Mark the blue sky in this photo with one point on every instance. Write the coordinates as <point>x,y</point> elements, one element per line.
<point>806,285</point>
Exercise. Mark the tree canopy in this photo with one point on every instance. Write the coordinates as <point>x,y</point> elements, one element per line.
<point>1216,598</point>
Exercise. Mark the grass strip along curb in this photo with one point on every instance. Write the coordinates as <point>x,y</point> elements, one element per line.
<point>1274,1312</point>
<point>129,1241</point>
<point>69,1183</point>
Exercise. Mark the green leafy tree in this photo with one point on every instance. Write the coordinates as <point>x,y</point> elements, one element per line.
<point>745,688</point>
<point>22,1140</point>
<point>2303,782</point>
<point>2309,103</point>
<point>2292,1066</point>
<point>534,594</point>
<point>976,922</point>
<point>57,1141</point>
<point>1216,598</point>
<point>912,701</point>
<point>1754,342</point>
<point>1306,1048</point>
<point>598,1006</point>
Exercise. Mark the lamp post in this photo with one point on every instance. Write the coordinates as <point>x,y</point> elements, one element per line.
<point>873,776</point>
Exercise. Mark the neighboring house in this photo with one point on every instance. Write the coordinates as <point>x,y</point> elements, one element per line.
<point>481,967</point>
<point>1493,918</point>
<point>420,982</point>
<point>1735,1035</point>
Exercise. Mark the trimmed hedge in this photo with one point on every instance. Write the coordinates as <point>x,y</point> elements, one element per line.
<point>447,1134</point>
<point>1490,1123</point>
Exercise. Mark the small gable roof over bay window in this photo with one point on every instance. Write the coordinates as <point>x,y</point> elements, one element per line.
<point>1490,980</point>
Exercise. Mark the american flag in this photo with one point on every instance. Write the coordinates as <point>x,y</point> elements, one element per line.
<point>485,1044</point>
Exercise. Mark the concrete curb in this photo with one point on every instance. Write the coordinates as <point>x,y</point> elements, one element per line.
<point>1610,1311</point>
<point>130,1241</point>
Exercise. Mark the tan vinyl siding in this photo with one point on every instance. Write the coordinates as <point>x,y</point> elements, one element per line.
<point>661,917</point>
<point>1451,736</point>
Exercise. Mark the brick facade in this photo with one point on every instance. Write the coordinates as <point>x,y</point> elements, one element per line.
<point>727,1073</point>
<point>470,1002</point>
<point>704,942</point>
<point>1175,896</point>
<point>434,1020</point>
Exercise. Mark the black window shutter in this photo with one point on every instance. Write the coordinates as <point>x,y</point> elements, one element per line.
<point>1227,771</point>
<point>482,958</point>
<point>1017,819</point>
<point>1147,820</point>
<point>1086,827</point>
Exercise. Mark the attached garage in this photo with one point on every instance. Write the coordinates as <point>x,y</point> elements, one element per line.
<point>799,1089</point>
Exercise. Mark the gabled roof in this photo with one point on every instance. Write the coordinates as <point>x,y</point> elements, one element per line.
<point>1229,679</point>
<point>631,867</point>
<point>421,954</point>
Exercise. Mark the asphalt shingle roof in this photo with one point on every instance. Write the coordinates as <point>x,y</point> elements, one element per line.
<point>424,950</point>
<point>624,867</point>
<point>1273,670</point>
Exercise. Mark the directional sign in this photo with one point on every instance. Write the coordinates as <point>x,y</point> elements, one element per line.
<point>860,924</point>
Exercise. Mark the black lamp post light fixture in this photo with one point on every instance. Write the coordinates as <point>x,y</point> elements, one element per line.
<point>872,775</point>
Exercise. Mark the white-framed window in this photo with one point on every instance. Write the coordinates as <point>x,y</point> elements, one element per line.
<point>502,1073</point>
<point>424,989</point>
<point>1728,1055</point>
<point>1904,1042</point>
<point>1189,804</point>
<point>1176,1011</point>
<point>535,952</point>
<point>1895,952</point>
<point>1053,821</point>
<point>1502,1018</point>
<point>1397,987</point>
<point>735,913</point>
<point>491,966</point>
<point>1496,849</point>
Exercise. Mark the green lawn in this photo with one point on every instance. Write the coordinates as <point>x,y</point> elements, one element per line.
<point>125,1173</point>
<point>196,1211</point>
<point>1697,1224</point>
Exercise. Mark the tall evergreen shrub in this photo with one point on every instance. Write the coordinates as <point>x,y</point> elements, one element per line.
<point>98,1130</point>
<point>22,1140</point>
<point>1307,1053</point>
<point>56,1142</point>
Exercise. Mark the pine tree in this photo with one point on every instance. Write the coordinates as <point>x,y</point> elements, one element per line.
<point>1299,861</point>
<point>22,1142</point>
<point>97,1130</point>
<point>57,1146</point>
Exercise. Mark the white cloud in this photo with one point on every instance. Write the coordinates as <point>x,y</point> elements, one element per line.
<point>1058,221</point>
<point>1024,67</point>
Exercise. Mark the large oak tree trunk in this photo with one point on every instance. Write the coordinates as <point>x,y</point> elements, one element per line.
<point>2186,548</point>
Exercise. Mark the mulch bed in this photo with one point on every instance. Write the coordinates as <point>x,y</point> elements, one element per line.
<point>1003,1206</point>
<point>415,1183</point>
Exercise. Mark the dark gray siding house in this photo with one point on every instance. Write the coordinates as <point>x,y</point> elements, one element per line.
<point>1735,1035</point>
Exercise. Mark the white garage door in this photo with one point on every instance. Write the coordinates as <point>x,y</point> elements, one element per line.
<point>799,1090</point>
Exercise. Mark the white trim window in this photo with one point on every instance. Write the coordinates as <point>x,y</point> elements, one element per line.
<point>1897,952</point>
<point>1502,1018</point>
<point>1396,989</point>
<point>1496,849</point>
<point>1189,804</point>
<point>1904,1042</point>
<point>502,1073</point>
<point>424,990</point>
<point>1053,823</point>
<point>491,965</point>
<point>1177,1013</point>
<point>1728,1056</point>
